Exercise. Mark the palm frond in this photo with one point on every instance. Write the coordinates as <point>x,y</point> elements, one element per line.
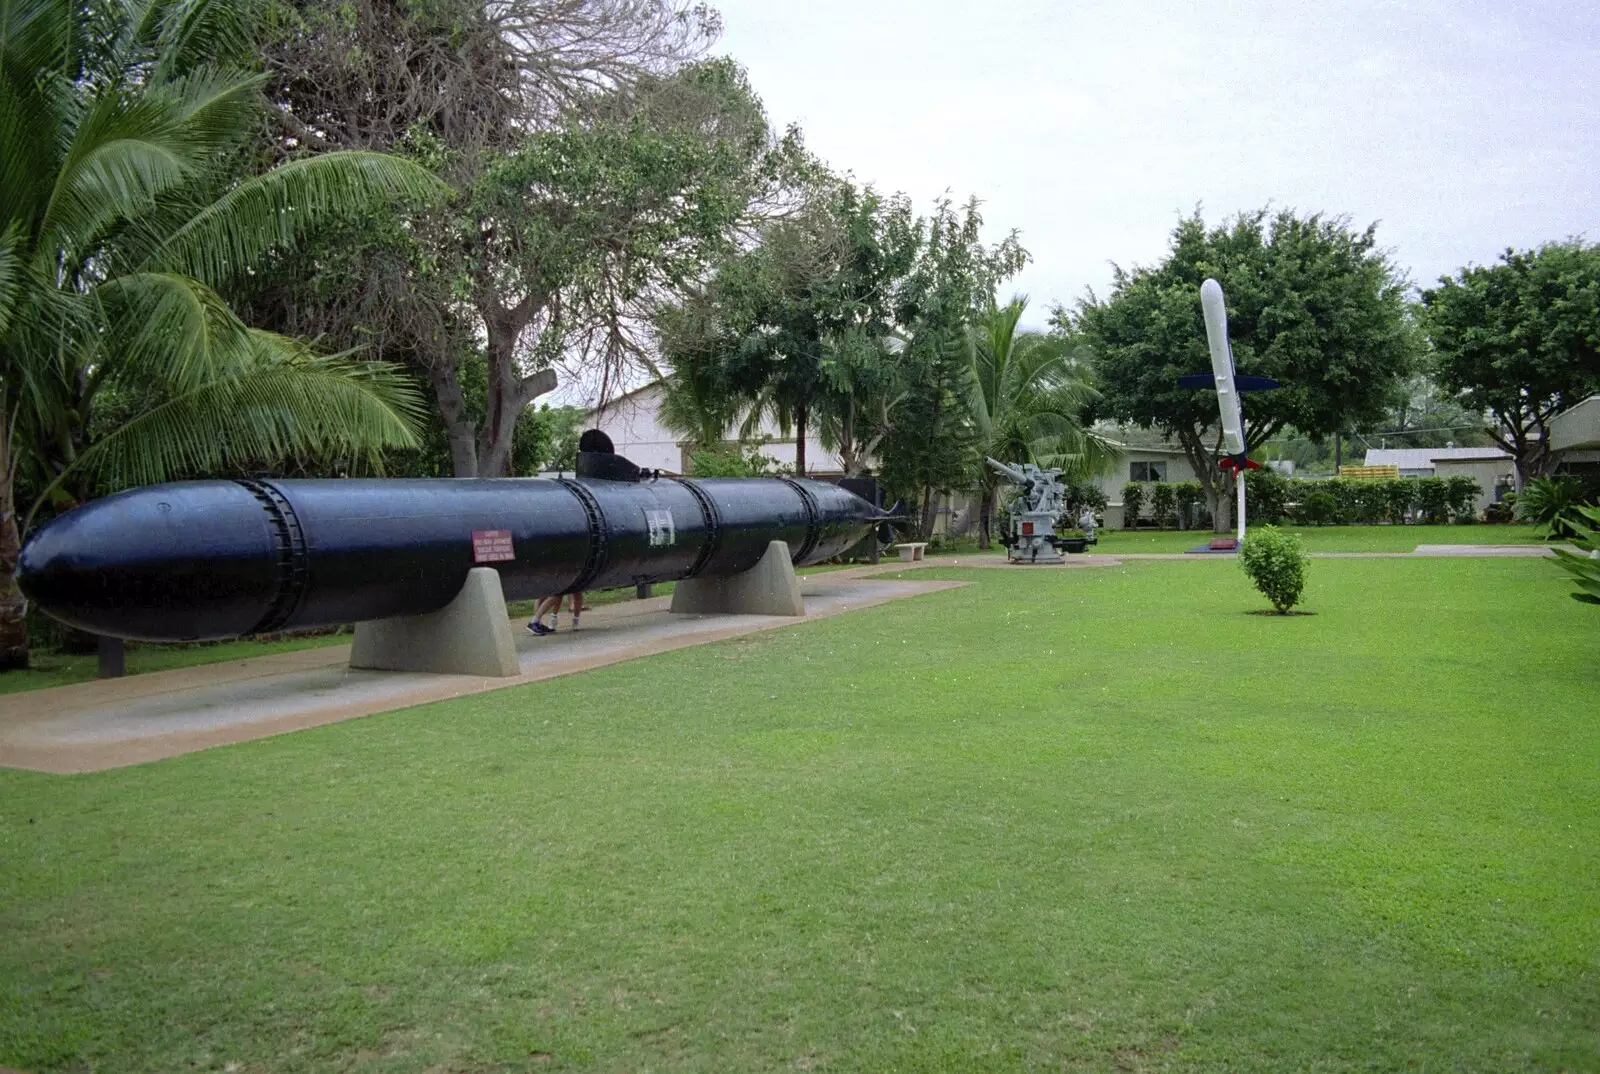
<point>13,264</point>
<point>174,37</point>
<point>171,330</point>
<point>35,36</point>
<point>272,211</point>
<point>122,157</point>
<point>290,405</point>
<point>214,108</point>
<point>29,132</point>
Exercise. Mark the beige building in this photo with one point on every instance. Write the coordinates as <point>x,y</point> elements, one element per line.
<point>1491,467</point>
<point>1141,464</point>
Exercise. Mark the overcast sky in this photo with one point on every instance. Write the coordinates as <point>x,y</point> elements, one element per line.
<point>1461,127</point>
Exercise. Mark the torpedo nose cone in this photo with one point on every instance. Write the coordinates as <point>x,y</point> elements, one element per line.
<point>186,561</point>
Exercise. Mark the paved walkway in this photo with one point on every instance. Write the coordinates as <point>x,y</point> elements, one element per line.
<point>114,722</point>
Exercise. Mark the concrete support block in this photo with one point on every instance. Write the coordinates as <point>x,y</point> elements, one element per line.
<point>469,636</point>
<point>768,588</point>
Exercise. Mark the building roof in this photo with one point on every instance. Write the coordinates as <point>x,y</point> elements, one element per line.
<point>1424,458</point>
<point>1146,449</point>
<point>613,403</point>
<point>1577,427</point>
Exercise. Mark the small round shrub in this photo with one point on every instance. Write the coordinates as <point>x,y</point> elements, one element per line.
<point>1276,563</point>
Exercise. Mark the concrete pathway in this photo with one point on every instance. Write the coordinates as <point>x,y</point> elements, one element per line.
<point>110,723</point>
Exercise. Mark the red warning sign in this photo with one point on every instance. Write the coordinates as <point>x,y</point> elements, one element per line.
<point>492,546</point>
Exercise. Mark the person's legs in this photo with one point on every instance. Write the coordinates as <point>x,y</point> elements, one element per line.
<point>545,606</point>
<point>577,609</point>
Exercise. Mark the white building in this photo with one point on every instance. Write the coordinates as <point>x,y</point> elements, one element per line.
<point>633,423</point>
<point>1154,463</point>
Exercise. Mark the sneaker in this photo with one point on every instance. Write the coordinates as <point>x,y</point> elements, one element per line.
<point>539,629</point>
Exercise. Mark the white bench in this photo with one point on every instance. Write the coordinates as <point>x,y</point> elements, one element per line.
<point>911,552</point>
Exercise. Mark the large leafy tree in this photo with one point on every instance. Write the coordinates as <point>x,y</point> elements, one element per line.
<point>798,326</point>
<point>1029,402</point>
<point>1520,339</point>
<point>1311,302</point>
<point>598,169</point>
<point>934,444</point>
<point>119,219</point>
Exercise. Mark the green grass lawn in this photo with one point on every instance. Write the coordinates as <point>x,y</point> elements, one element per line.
<point>1328,538</point>
<point>1086,820</point>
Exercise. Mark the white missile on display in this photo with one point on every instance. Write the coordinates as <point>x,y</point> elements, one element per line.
<point>1228,384</point>
<point>1216,317</point>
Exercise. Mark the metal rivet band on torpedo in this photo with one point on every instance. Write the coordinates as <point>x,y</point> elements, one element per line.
<point>808,500</point>
<point>598,534</point>
<point>713,523</point>
<point>293,571</point>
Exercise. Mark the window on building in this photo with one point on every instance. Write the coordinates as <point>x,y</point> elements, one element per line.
<point>1147,471</point>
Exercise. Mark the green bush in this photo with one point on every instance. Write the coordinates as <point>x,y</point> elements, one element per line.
<point>1461,495</point>
<point>1433,500</point>
<point>1369,501</point>
<point>1553,503</point>
<point>1164,504</point>
<point>1268,494</point>
<point>1190,495</point>
<point>1399,494</point>
<point>1276,563</point>
<point>745,460</point>
<point>1318,509</point>
<point>1078,497</point>
<point>1132,502</point>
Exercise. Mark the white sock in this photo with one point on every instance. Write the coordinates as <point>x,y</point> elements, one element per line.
<point>574,622</point>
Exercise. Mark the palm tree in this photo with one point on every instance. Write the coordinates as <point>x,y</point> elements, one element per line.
<point>118,223</point>
<point>1028,400</point>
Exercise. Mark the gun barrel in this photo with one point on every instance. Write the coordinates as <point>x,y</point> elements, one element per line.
<point>1012,472</point>
<point>200,560</point>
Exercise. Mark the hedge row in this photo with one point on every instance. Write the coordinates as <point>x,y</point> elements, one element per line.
<point>1315,502</point>
<point>1338,500</point>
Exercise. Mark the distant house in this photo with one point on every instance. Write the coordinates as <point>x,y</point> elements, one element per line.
<point>1153,462</point>
<point>1492,467</point>
<point>634,425</point>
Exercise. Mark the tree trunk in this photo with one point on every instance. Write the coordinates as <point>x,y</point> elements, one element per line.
<point>13,609</point>
<point>929,508</point>
<point>500,416</point>
<point>985,515</point>
<point>509,393</point>
<point>1213,480</point>
<point>453,409</point>
<point>800,441</point>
